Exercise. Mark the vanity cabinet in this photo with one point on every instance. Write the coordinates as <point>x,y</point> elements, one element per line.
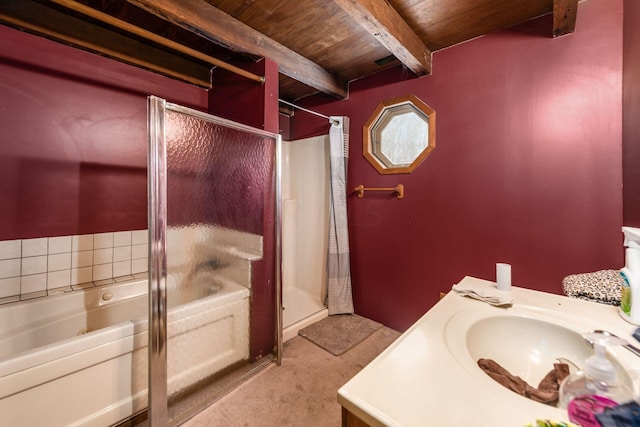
<point>350,420</point>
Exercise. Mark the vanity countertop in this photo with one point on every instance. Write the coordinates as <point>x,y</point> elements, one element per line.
<point>427,378</point>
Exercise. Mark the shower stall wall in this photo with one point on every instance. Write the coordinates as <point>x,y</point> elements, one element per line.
<point>305,222</point>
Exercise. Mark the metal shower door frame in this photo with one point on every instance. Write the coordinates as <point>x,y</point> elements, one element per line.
<point>157,220</point>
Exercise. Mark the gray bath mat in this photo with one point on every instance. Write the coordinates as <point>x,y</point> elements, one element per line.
<point>339,333</point>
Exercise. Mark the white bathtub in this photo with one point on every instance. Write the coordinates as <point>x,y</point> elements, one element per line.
<point>80,359</point>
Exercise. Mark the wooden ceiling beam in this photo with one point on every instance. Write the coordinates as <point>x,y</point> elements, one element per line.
<point>383,22</point>
<point>564,17</point>
<point>213,24</point>
<point>39,19</point>
<point>148,35</point>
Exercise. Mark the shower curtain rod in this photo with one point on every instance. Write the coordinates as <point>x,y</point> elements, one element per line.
<point>308,111</point>
<point>108,19</point>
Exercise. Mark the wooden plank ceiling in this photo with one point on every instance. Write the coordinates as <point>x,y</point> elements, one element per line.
<point>319,45</point>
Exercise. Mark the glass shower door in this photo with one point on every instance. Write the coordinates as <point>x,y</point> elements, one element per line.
<point>214,250</point>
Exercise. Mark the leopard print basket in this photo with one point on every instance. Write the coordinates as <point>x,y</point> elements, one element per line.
<point>601,286</point>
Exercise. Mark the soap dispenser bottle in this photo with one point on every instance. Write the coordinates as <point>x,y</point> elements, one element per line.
<point>630,293</point>
<point>590,391</point>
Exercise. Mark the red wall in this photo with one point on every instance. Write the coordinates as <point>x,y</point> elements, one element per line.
<point>74,142</point>
<point>245,101</point>
<point>631,114</point>
<point>526,170</point>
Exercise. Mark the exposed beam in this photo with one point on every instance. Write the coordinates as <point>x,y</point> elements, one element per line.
<point>285,110</point>
<point>148,35</point>
<point>215,25</point>
<point>564,17</point>
<point>382,21</point>
<point>39,19</point>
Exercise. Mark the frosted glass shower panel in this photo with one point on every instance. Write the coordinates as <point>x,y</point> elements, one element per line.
<point>216,175</point>
<point>220,191</point>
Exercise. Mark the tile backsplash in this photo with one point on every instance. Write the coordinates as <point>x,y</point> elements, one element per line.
<point>32,268</point>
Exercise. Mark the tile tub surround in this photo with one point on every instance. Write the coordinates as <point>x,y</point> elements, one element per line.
<point>31,268</point>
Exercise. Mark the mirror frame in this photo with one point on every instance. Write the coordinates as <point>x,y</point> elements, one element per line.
<point>369,144</point>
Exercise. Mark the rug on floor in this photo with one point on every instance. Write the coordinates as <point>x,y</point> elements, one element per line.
<point>339,333</point>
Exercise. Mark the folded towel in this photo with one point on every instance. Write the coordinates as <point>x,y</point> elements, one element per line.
<point>547,390</point>
<point>501,375</point>
<point>600,286</point>
<point>484,291</point>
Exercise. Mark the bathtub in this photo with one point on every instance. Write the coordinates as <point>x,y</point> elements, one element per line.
<point>80,358</point>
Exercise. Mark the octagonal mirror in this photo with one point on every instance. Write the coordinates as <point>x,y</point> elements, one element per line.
<point>399,135</point>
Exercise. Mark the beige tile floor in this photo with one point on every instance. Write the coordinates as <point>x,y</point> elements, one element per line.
<point>301,392</point>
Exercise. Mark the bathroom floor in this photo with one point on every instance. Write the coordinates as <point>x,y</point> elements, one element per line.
<point>301,392</point>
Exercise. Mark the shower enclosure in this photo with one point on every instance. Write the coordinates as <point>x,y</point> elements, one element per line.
<point>213,224</point>
<point>305,222</point>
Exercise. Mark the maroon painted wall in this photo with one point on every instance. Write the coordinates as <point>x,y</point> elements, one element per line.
<point>527,167</point>
<point>74,142</point>
<point>631,115</point>
<point>245,101</point>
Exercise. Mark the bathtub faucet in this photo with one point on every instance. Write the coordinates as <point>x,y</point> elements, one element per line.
<point>209,265</point>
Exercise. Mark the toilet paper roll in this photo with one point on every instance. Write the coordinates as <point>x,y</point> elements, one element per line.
<point>503,276</point>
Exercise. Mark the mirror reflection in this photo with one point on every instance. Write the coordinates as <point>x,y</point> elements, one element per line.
<point>399,135</point>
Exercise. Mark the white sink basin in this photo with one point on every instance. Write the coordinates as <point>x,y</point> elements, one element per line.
<point>431,372</point>
<point>524,345</point>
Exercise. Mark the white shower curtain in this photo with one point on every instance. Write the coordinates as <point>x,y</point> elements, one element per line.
<point>339,297</point>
